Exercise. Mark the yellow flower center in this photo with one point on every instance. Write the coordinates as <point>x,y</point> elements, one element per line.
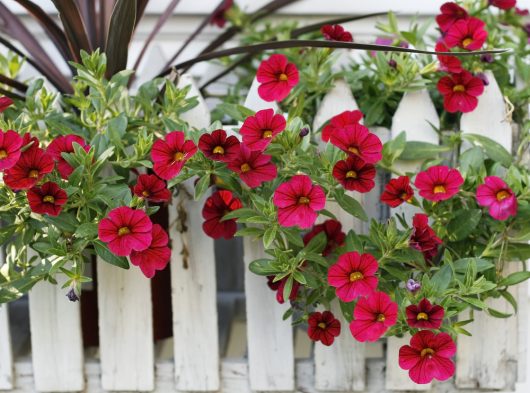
<point>33,173</point>
<point>422,317</point>
<point>179,156</point>
<point>351,174</point>
<point>459,88</point>
<point>123,231</point>
<point>467,42</point>
<point>405,198</point>
<point>218,150</point>
<point>3,154</point>
<point>267,134</point>
<point>245,167</point>
<point>356,276</point>
<point>49,199</point>
<point>322,325</point>
<point>353,149</point>
<point>426,352</point>
<point>439,189</point>
<point>501,195</point>
<point>283,77</point>
<point>303,200</point>
<point>145,193</point>
<point>380,318</point>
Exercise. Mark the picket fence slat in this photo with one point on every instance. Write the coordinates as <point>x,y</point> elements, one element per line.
<point>56,342</point>
<point>414,115</point>
<point>6,355</point>
<point>255,102</point>
<point>195,335</point>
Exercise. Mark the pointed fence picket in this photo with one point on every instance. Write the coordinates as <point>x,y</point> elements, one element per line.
<point>6,356</point>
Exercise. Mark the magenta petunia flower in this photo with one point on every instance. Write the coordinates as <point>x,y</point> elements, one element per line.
<point>438,183</point>
<point>156,256</point>
<point>460,91</point>
<point>450,13</point>
<point>425,315</point>
<point>65,144</point>
<point>5,102</point>
<point>253,167</point>
<point>277,77</point>
<point>397,191</point>
<point>503,4</point>
<point>218,146</point>
<point>468,34</point>
<point>47,199</point>
<point>31,167</point>
<point>279,285</point>
<point>423,238</point>
<point>496,195</point>
<point>372,317</point>
<point>10,144</point>
<point>346,118</point>
<point>336,33</point>
<point>220,203</point>
<point>171,153</point>
<point>334,235</point>
<point>448,63</point>
<point>259,130</point>
<point>323,327</point>
<point>354,174</point>
<point>353,275</point>
<point>152,188</point>
<point>357,140</point>
<point>218,18</point>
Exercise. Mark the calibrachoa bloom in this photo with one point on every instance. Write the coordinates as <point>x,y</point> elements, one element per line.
<point>277,77</point>
<point>397,191</point>
<point>450,13</point>
<point>298,201</point>
<point>354,174</point>
<point>438,183</point>
<point>460,91</point>
<point>467,34</point>
<point>171,153</point>
<point>126,230</point>
<point>259,130</point>
<point>323,327</point>
<point>425,315</point>
<point>496,195</point>
<point>253,167</point>
<point>341,120</point>
<point>448,63</point>
<point>333,230</point>
<point>31,167</point>
<point>218,17</point>
<point>65,144</point>
<point>279,285</point>
<point>423,237</point>
<point>336,33</point>
<point>428,357</point>
<point>156,256</point>
<point>10,144</point>
<point>357,140</point>
<point>47,199</point>
<point>218,146</point>
<point>5,102</point>
<point>503,4</point>
<point>152,188</point>
<point>220,203</point>
<point>372,317</point>
<point>353,275</point>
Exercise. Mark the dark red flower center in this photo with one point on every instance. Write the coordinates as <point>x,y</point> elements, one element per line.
<point>426,352</point>
<point>34,173</point>
<point>459,88</point>
<point>356,276</point>
<point>282,77</point>
<point>322,325</point>
<point>179,156</point>
<point>439,189</point>
<point>303,200</point>
<point>218,150</point>
<point>380,318</point>
<point>266,134</point>
<point>467,41</point>
<point>422,317</point>
<point>502,194</point>
<point>245,167</point>
<point>3,154</point>
<point>123,231</point>
<point>49,199</point>
<point>351,174</point>
<point>353,149</point>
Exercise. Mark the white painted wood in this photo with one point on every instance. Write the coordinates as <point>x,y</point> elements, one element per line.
<point>6,355</point>
<point>337,100</point>
<point>56,341</point>
<point>199,116</point>
<point>254,101</point>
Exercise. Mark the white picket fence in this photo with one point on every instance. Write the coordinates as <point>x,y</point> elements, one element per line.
<point>494,358</point>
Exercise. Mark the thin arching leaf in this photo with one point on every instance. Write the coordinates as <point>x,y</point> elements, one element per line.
<point>87,8</point>
<point>12,95</point>
<point>13,83</point>
<point>105,12</point>
<point>140,9</point>
<point>120,34</point>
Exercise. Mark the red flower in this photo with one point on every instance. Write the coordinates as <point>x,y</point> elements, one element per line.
<point>29,142</point>
<point>353,275</point>
<point>424,315</point>
<point>126,230</point>
<point>323,327</point>
<point>397,191</point>
<point>503,4</point>
<point>171,153</point>
<point>156,256</point>
<point>152,188</point>
<point>218,17</point>
<point>336,33</point>
<point>500,198</point>
<point>467,34</point>
<point>47,199</point>
<point>31,167</point>
<point>277,78</point>
<point>298,201</point>
<point>357,140</point>
<point>448,63</point>
<point>10,144</point>
<point>354,174</point>
<point>220,203</point>
<point>438,183</point>
<point>65,144</point>
<point>333,230</point>
<point>372,317</point>
<point>346,118</point>
<point>521,11</point>
<point>423,238</point>
<point>450,13</point>
<point>428,357</point>
<point>253,167</point>
<point>5,102</point>
<point>259,130</point>
<point>278,286</point>
<point>218,147</point>
<point>460,91</point>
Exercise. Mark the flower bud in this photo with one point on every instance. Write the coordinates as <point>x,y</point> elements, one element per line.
<point>413,286</point>
<point>72,296</point>
<point>303,132</point>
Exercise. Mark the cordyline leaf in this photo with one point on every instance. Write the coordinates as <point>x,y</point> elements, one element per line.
<point>120,34</point>
<point>13,83</point>
<point>105,12</point>
<point>12,95</point>
<point>87,9</point>
<point>140,8</point>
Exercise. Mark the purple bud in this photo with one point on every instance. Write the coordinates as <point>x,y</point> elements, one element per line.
<point>303,132</point>
<point>72,296</point>
<point>526,29</point>
<point>413,286</point>
<point>483,78</point>
<point>392,63</point>
<point>487,58</point>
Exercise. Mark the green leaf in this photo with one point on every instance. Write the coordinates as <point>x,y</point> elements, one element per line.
<point>250,231</point>
<point>351,206</point>
<point>475,302</point>
<point>64,221</point>
<point>269,235</point>
<point>463,223</point>
<point>471,159</point>
<point>493,150</point>
<point>316,244</point>
<point>288,287</point>
<point>6,233</point>
<point>442,278</point>
<point>201,186</point>
<point>422,150</point>
<point>87,229</point>
<point>515,278</point>
<point>498,314</point>
<point>103,251</point>
<point>263,267</point>
<point>481,264</point>
<point>243,213</point>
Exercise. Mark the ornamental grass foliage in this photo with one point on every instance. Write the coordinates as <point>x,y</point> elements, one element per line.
<point>84,173</point>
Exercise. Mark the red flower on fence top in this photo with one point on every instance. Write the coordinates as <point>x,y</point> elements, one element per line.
<point>425,315</point>
<point>171,153</point>
<point>126,230</point>
<point>428,357</point>
<point>323,327</point>
<point>277,77</point>
<point>353,275</point>
<point>333,230</point>
<point>152,188</point>
<point>47,199</point>
<point>65,144</point>
<point>220,203</point>
<point>218,17</point>
<point>31,167</point>
<point>438,183</point>
<point>503,4</point>
<point>5,102</point>
<point>357,140</point>
<point>336,33</point>
<point>448,63</point>
<point>467,34</point>
<point>259,130</point>
<point>278,286</point>
<point>397,191</point>
<point>298,201</point>
<point>450,13</point>
<point>460,91</point>
<point>423,238</point>
<point>354,174</point>
<point>218,146</point>
<point>500,199</point>
<point>10,144</point>
<point>253,167</point>
<point>156,256</point>
<point>372,317</point>
<point>341,120</point>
